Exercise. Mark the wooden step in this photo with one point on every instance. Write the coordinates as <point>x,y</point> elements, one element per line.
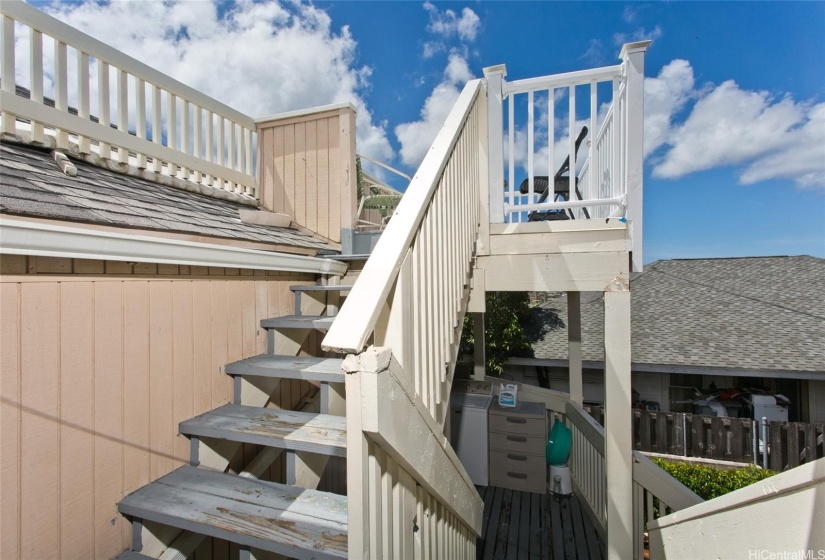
<point>320,288</point>
<point>285,429</point>
<point>289,367</point>
<point>295,522</point>
<point>320,322</point>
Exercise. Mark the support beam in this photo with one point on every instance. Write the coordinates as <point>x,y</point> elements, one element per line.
<point>479,358</point>
<point>617,420</point>
<point>574,346</point>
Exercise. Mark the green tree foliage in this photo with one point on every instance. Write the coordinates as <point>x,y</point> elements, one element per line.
<point>710,482</point>
<point>507,313</point>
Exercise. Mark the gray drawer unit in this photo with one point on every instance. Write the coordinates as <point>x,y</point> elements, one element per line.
<point>518,439</point>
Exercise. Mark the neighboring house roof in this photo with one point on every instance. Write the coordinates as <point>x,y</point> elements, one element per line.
<point>757,314</point>
<point>32,184</point>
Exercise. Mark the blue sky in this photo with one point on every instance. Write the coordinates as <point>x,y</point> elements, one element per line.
<point>736,137</point>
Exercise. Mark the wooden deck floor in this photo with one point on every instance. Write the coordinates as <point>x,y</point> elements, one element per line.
<point>524,525</point>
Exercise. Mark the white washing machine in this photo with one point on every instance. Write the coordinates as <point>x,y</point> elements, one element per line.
<point>469,434</point>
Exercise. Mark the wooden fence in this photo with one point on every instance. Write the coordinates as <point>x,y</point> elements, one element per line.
<point>790,444</point>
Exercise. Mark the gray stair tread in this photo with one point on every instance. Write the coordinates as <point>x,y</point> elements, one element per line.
<point>132,555</point>
<point>321,322</point>
<point>295,522</point>
<point>285,429</point>
<point>318,288</point>
<point>289,367</point>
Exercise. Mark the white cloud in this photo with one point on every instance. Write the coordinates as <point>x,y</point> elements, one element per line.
<point>416,137</point>
<point>640,34</point>
<point>448,23</point>
<point>665,95</point>
<point>764,136</point>
<point>432,48</point>
<point>258,57</point>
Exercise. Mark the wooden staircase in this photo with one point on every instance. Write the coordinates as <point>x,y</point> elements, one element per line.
<point>292,517</point>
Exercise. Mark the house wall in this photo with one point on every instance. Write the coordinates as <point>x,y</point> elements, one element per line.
<point>99,362</point>
<point>307,170</point>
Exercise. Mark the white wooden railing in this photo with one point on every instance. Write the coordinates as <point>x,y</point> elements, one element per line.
<point>179,132</point>
<point>586,463</point>
<point>655,492</point>
<point>411,294</point>
<point>407,491</point>
<point>609,180</point>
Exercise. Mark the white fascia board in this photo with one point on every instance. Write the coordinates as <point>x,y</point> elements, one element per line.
<point>20,237</point>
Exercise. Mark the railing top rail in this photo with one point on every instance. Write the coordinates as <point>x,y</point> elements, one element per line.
<point>587,425</point>
<point>34,18</point>
<point>578,77</point>
<point>357,318</point>
<point>675,494</point>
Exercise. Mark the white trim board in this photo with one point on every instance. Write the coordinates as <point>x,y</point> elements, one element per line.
<point>20,237</point>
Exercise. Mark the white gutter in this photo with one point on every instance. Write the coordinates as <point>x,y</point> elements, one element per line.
<point>20,237</point>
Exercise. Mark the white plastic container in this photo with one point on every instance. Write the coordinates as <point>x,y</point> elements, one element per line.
<point>508,395</point>
<point>560,482</point>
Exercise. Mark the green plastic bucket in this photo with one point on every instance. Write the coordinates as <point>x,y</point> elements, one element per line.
<point>558,445</point>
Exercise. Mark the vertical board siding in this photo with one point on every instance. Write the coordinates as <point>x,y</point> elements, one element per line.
<point>304,168</point>
<point>96,375</point>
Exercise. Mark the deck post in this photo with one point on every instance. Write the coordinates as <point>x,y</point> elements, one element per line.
<point>574,346</point>
<point>617,420</point>
<point>633,57</point>
<point>495,125</point>
<point>479,357</point>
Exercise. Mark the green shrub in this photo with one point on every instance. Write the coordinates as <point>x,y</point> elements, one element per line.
<point>504,335</point>
<point>710,482</point>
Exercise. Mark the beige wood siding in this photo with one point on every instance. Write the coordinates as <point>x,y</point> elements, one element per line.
<point>307,170</point>
<point>97,372</point>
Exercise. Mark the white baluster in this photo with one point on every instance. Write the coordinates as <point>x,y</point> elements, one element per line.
<point>104,149</point>
<point>122,111</point>
<point>198,114</point>
<point>221,154</point>
<point>511,177</point>
<point>83,97</point>
<point>61,92</point>
<point>530,172</point>
<point>157,130</point>
<point>210,143</point>
<point>36,66</point>
<point>171,129</point>
<point>592,174</point>
<point>230,163</point>
<point>551,143</point>
<point>140,117</point>
<point>184,133</point>
<point>572,127</point>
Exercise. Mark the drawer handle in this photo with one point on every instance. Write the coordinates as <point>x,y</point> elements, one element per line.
<point>516,457</point>
<point>520,439</point>
<point>516,420</point>
<point>516,475</point>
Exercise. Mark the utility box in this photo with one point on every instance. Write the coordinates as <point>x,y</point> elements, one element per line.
<point>765,406</point>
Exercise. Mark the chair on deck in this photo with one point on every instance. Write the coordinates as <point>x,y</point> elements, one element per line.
<point>561,189</point>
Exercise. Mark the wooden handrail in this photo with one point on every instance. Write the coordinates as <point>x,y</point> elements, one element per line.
<point>359,315</point>
<point>587,425</point>
<point>661,484</point>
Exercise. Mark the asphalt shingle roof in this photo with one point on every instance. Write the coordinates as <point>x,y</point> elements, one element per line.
<point>760,313</point>
<point>31,184</point>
